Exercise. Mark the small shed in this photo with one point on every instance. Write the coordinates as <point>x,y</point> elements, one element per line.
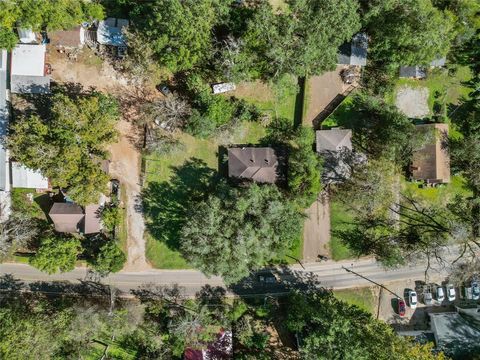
<point>26,36</point>
<point>73,38</point>
<point>28,70</point>
<point>414,72</point>
<point>355,51</point>
<point>23,177</point>
<point>66,217</point>
<point>109,32</point>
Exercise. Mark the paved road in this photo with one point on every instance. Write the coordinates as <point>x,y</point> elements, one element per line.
<point>327,274</point>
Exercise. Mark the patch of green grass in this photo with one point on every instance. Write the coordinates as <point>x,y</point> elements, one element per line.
<point>361,297</point>
<point>342,116</point>
<point>340,219</point>
<point>34,208</point>
<point>437,195</point>
<point>162,257</point>
<point>122,233</point>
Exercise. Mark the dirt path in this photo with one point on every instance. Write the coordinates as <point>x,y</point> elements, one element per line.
<point>316,230</point>
<point>125,166</point>
<point>321,91</point>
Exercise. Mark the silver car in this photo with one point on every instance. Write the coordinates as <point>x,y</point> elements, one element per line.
<point>475,290</point>
<point>440,294</point>
<point>451,292</point>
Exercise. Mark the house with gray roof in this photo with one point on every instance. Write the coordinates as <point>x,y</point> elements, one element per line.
<point>28,75</point>
<point>261,165</point>
<point>335,146</point>
<point>355,51</point>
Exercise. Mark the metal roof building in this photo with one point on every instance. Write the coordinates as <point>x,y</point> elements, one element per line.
<point>355,51</point>
<point>23,177</point>
<point>109,32</point>
<point>4,116</point>
<point>28,70</point>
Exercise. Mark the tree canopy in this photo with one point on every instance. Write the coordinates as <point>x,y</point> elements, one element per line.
<point>238,230</point>
<point>68,143</point>
<point>56,254</point>
<point>407,32</point>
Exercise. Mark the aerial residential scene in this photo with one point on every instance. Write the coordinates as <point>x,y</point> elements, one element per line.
<point>240,179</point>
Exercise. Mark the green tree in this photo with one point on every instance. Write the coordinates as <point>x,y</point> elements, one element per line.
<point>304,168</point>
<point>407,32</point>
<point>56,254</point>
<point>110,258</point>
<point>381,130</point>
<point>303,40</point>
<point>332,329</point>
<point>180,31</point>
<point>67,144</point>
<point>239,230</point>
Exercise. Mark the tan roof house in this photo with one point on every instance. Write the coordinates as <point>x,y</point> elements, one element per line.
<point>261,165</point>
<point>66,217</point>
<point>431,163</point>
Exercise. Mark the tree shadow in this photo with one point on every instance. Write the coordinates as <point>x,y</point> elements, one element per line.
<point>167,205</point>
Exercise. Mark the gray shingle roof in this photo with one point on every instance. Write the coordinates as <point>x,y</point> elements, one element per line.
<point>262,165</point>
<point>334,139</point>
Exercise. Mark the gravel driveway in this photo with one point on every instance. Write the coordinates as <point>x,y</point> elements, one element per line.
<point>413,101</point>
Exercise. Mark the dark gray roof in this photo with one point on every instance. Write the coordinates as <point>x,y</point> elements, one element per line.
<point>262,165</point>
<point>412,72</point>
<point>24,84</point>
<point>355,51</point>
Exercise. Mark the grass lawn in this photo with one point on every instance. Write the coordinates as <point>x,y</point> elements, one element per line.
<point>339,220</point>
<point>437,195</point>
<point>362,297</point>
<point>342,116</point>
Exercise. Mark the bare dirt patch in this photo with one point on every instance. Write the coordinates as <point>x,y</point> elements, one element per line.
<point>413,102</point>
<point>257,90</point>
<point>316,230</point>
<point>321,91</point>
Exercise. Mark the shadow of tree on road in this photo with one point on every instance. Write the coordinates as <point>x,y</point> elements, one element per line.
<point>166,205</point>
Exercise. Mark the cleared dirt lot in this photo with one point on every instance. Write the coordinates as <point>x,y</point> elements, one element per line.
<point>413,101</point>
<point>316,230</point>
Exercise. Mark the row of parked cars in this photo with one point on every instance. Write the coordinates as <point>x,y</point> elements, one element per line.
<point>469,292</point>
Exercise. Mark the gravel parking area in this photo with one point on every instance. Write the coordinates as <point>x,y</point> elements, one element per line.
<point>413,101</point>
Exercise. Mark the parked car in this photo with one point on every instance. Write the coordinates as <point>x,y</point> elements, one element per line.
<point>475,290</point>
<point>115,189</point>
<point>164,89</point>
<point>412,299</point>
<point>428,298</point>
<point>267,278</point>
<point>440,294</point>
<point>467,290</point>
<point>450,292</point>
<point>401,307</point>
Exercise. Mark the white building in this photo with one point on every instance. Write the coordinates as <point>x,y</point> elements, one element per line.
<point>23,177</point>
<point>28,70</point>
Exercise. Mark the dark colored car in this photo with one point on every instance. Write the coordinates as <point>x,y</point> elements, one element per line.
<point>164,89</point>
<point>266,278</point>
<point>401,307</point>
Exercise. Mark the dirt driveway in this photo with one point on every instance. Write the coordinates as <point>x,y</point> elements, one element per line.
<point>413,101</point>
<point>321,91</point>
<point>91,72</point>
<point>316,230</point>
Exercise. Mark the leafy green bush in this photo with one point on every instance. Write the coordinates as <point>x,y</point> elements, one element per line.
<point>57,253</point>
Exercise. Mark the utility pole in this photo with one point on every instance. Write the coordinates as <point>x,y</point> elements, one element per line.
<point>373,282</point>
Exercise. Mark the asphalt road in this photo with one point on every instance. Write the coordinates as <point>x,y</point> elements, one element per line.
<point>326,274</point>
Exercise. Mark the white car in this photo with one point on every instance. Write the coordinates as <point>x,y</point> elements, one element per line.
<point>450,292</point>
<point>412,299</point>
<point>475,290</point>
<point>440,294</point>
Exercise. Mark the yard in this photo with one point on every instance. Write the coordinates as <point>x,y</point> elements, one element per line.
<point>340,218</point>
<point>175,175</point>
<point>365,298</point>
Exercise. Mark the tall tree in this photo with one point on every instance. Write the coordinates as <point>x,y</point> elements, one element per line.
<point>407,32</point>
<point>67,144</point>
<point>239,230</point>
<point>56,254</point>
<point>180,31</point>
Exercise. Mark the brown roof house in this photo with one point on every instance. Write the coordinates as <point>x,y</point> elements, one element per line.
<point>261,165</point>
<point>70,218</point>
<point>66,217</point>
<point>431,162</point>
<point>335,146</point>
